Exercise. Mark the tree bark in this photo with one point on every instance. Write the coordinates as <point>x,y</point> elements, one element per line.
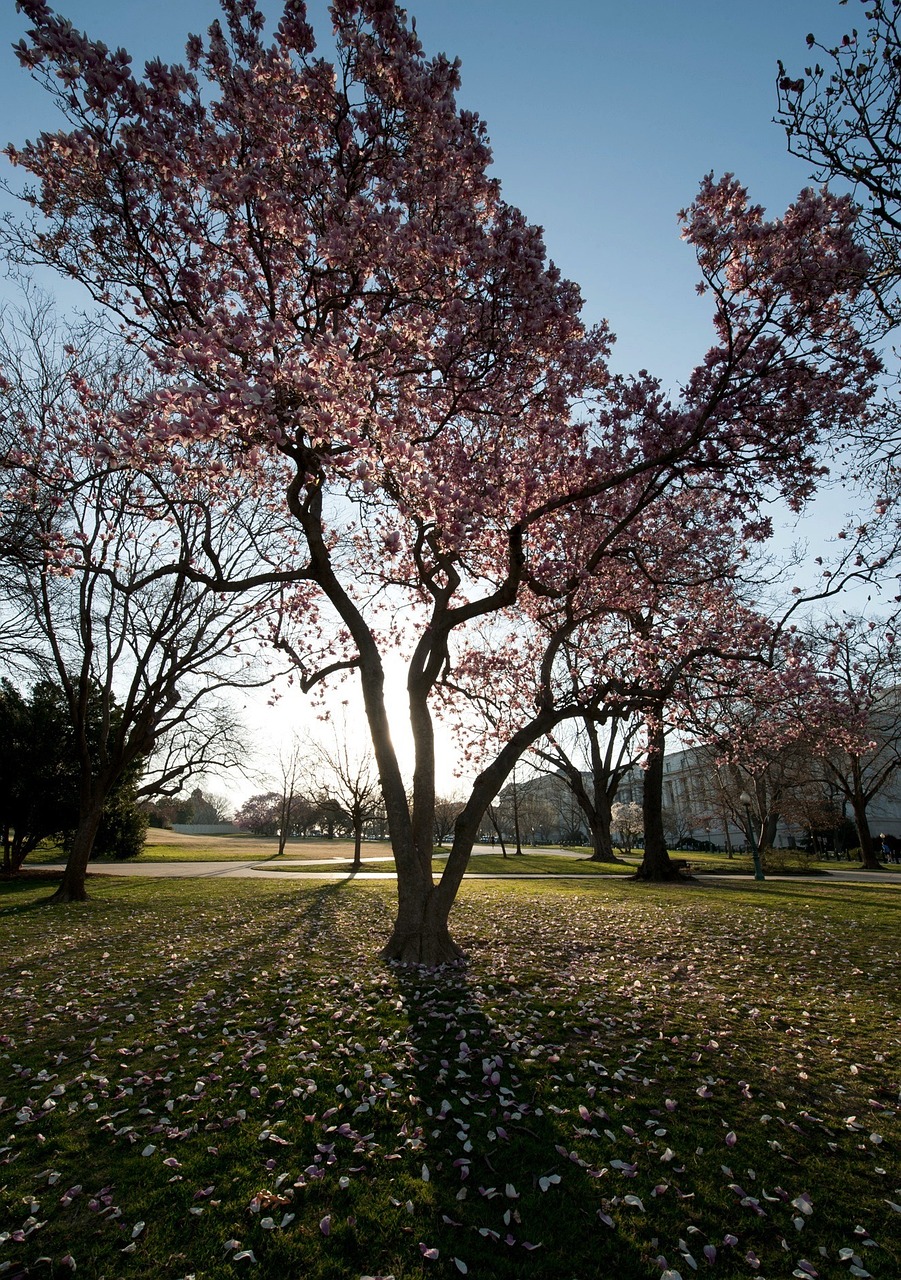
<point>358,846</point>
<point>421,934</point>
<point>767,836</point>
<point>656,863</point>
<point>868,858</point>
<point>72,886</point>
<point>599,822</point>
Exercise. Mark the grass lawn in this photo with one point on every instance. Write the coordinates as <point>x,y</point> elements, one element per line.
<point>216,1078</point>
<point>527,864</point>
<point>175,846</point>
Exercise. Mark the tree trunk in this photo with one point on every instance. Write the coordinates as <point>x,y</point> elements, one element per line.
<point>767,832</point>
<point>284,820</point>
<point>493,820</point>
<point>516,818</point>
<point>656,863</point>
<point>72,886</point>
<point>19,852</point>
<point>595,808</point>
<point>421,934</point>
<point>599,823</point>
<point>358,846</point>
<point>868,858</point>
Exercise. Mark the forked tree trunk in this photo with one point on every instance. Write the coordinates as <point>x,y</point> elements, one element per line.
<point>421,934</point>
<point>19,852</point>
<point>72,886</point>
<point>595,809</point>
<point>358,846</point>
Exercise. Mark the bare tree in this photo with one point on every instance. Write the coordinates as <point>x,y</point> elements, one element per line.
<point>345,783</point>
<point>447,808</point>
<point>593,766</point>
<point>148,586</point>
<point>289,763</point>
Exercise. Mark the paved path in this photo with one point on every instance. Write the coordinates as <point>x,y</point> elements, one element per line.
<point>336,869</point>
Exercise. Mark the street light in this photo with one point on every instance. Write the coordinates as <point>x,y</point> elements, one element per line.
<point>745,799</point>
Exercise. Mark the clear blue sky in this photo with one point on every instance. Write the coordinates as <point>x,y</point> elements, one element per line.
<point>603,115</point>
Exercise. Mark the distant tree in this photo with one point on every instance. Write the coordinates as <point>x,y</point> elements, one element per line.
<point>593,758</point>
<point>680,820</point>
<point>447,809</point>
<point>864,659</point>
<point>36,769</point>
<point>261,814</point>
<point>290,764</point>
<point>345,784</point>
<point>627,825</point>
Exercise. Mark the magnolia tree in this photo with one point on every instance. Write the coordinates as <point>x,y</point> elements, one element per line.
<point>862,660</point>
<point>843,116</point>
<point>316,259</point>
<point>662,619</point>
<point>767,727</point>
<point>627,823</point>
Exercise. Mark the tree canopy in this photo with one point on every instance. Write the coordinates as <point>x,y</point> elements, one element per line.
<point>338,300</point>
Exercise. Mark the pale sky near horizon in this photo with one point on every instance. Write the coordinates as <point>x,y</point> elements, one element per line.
<point>603,115</point>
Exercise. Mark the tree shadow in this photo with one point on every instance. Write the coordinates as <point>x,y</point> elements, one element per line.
<point>502,1180</point>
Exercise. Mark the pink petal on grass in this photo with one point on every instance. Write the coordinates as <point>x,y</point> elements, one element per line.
<point>325,1224</point>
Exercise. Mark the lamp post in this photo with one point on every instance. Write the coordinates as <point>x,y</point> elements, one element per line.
<point>745,800</point>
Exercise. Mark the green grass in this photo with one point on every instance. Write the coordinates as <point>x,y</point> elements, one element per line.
<point>627,1074</point>
<point>527,864</point>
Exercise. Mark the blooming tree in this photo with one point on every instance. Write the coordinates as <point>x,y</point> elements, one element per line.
<point>861,658</point>
<point>627,822</point>
<point>316,259</point>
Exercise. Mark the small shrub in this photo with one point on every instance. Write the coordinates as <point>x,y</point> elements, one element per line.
<point>787,860</point>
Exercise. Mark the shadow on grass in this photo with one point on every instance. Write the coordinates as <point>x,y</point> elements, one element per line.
<point>12,891</point>
<point>508,1198</point>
